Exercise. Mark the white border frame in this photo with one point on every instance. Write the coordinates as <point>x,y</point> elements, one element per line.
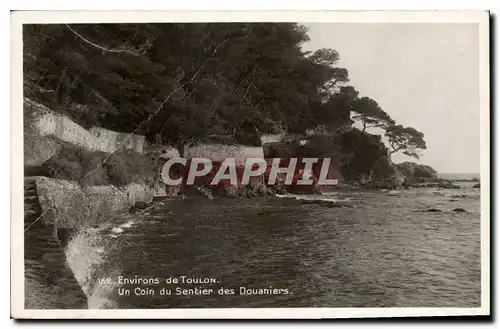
<point>17,231</point>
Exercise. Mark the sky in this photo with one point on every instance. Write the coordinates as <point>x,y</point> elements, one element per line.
<point>423,75</point>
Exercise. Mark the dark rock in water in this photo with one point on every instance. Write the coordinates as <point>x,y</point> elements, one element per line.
<point>264,213</point>
<point>478,185</point>
<point>434,210</point>
<point>347,205</point>
<point>448,185</point>
<point>139,205</point>
<point>64,235</point>
<point>334,205</point>
<point>459,196</point>
<point>326,203</point>
<point>321,202</point>
<point>459,210</point>
<point>197,191</point>
<point>439,183</point>
<point>303,189</point>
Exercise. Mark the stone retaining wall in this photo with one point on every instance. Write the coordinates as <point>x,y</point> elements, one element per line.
<point>46,124</point>
<point>53,215</point>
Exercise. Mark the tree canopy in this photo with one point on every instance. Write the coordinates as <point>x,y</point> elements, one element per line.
<point>190,80</point>
<point>406,139</point>
<point>370,114</point>
<point>182,83</point>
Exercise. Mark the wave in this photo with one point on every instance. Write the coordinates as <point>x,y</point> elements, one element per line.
<point>127,224</point>
<point>87,254</point>
<point>117,230</point>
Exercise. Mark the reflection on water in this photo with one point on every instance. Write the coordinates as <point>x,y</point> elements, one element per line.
<point>385,250</point>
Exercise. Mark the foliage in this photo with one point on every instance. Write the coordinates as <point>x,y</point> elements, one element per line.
<point>72,163</point>
<point>336,110</point>
<point>180,83</point>
<point>357,154</point>
<point>96,168</point>
<point>370,114</point>
<point>127,167</point>
<point>406,139</point>
<point>186,83</point>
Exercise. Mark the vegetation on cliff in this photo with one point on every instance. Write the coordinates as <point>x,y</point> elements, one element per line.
<point>96,168</point>
<point>180,83</point>
<point>185,83</point>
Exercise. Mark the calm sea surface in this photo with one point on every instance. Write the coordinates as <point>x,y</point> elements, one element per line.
<point>385,250</point>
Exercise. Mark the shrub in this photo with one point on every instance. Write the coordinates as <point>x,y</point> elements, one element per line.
<point>127,167</point>
<point>93,172</point>
<point>75,164</point>
<point>90,168</point>
<point>64,165</point>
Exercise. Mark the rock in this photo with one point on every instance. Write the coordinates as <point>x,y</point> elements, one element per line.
<point>478,185</point>
<point>303,189</point>
<point>139,205</point>
<point>196,191</point>
<point>325,203</point>
<point>434,210</point>
<point>447,185</point>
<point>277,189</point>
<point>256,190</point>
<point>416,172</point>
<point>226,191</point>
<point>334,205</point>
<point>459,210</point>
<point>436,184</point>
<point>309,201</point>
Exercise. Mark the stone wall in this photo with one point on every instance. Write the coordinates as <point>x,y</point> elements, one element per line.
<point>272,138</point>
<point>219,152</point>
<point>110,140</point>
<point>55,210</point>
<point>38,149</point>
<point>214,152</point>
<point>47,123</point>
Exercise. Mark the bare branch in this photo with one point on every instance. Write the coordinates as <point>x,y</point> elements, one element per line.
<point>101,47</point>
<point>248,89</point>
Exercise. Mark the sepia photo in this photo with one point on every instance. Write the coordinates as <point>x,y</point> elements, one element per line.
<point>250,164</point>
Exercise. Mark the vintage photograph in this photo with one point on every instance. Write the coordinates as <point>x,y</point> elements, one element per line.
<point>254,164</point>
